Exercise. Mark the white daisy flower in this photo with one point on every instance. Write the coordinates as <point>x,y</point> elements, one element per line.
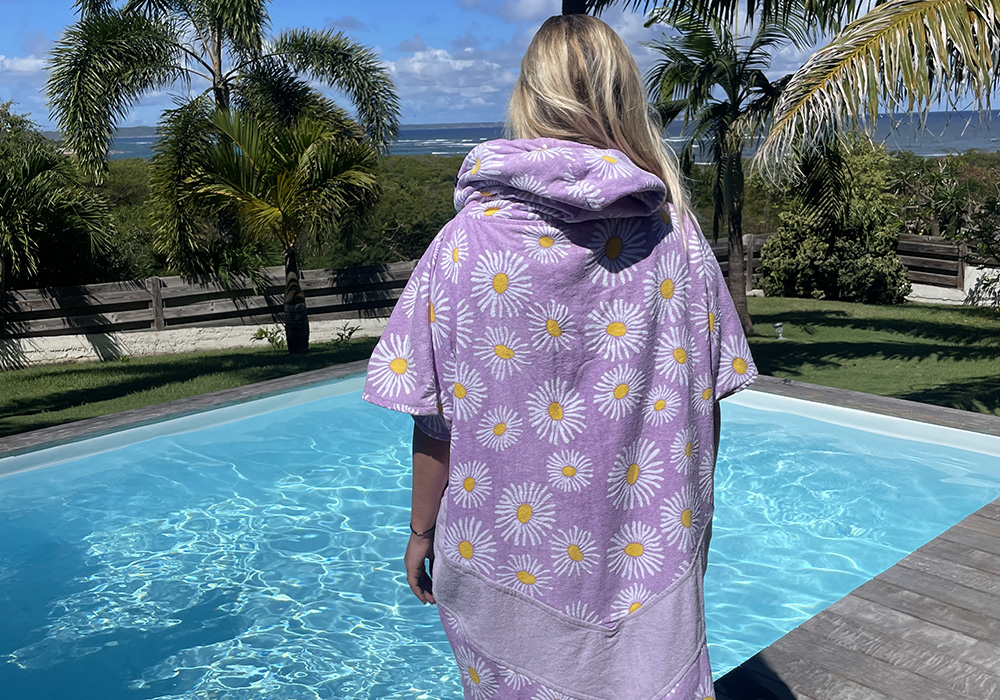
<point>542,153</point>
<point>569,470</point>
<point>629,600</point>
<point>495,208</point>
<point>551,326</point>
<point>617,244</point>
<point>580,611</point>
<point>439,315</point>
<point>573,552</point>
<point>635,551</point>
<point>469,543</point>
<point>678,519</point>
<point>666,288</point>
<point>391,366</point>
<point>513,679</point>
<point>681,569</point>
<point>413,289</point>
<point>470,484</point>
<point>608,165</point>
<point>467,389</point>
<point>701,255</point>
<point>487,161</point>
<point>619,391</point>
<point>677,355</point>
<point>705,691</point>
<point>530,184</point>
<point>549,694</point>
<point>449,620</point>
<point>525,513</point>
<point>556,411</point>
<point>684,452</point>
<point>735,363</point>
<point>454,254</point>
<point>463,323</point>
<point>703,395</point>
<point>586,191</point>
<point>478,679</point>
<point>661,406</point>
<point>524,574</point>
<point>502,352</point>
<point>706,480</point>
<point>499,428</point>
<point>545,243</point>
<point>636,475</point>
<point>705,312</point>
<point>616,329</point>
<point>501,283</point>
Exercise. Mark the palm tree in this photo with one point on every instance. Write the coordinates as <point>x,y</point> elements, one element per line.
<point>113,56</point>
<point>721,89</point>
<point>283,183</point>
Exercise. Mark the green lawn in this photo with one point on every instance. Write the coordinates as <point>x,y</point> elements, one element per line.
<point>936,354</point>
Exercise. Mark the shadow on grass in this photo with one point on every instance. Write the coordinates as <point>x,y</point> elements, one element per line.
<point>122,379</point>
<point>981,394</point>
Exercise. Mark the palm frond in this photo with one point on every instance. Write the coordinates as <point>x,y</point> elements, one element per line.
<point>243,22</point>
<point>89,8</point>
<point>901,56</point>
<point>826,14</point>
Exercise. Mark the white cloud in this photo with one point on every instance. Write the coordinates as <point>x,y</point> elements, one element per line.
<point>21,65</point>
<point>516,10</point>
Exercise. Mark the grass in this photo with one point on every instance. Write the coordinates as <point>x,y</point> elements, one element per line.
<point>942,355</point>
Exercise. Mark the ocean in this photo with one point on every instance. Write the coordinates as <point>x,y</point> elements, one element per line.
<point>942,134</point>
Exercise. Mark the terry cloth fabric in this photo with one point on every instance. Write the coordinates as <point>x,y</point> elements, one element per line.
<point>570,342</point>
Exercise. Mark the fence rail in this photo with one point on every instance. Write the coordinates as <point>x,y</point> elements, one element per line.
<point>933,260</point>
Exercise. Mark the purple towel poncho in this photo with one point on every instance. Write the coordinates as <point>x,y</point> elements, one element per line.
<point>570,342</point>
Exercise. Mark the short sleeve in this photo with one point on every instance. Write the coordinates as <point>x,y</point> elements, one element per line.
<point>403,369</point>
<point>733,365</point>
<point>437,426</point>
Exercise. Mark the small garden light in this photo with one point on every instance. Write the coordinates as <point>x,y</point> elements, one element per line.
<point>778,327</point>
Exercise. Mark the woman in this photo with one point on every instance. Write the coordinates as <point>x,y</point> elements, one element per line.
<point>562,345</point>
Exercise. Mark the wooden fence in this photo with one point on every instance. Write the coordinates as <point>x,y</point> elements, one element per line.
<point>933,260</point>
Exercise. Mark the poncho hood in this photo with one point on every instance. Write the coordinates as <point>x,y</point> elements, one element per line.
<point>562,179</point>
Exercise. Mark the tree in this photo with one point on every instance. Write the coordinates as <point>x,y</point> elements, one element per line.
<point>721,89</point>
<point>113,56</point>
<point>284,184</point>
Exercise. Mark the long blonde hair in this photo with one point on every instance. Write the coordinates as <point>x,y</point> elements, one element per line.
<point>579,83</point>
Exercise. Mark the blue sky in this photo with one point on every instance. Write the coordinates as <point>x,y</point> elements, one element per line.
<point>451,60</point>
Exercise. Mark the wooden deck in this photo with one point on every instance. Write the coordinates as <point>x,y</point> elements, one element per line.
<point>928,628</point>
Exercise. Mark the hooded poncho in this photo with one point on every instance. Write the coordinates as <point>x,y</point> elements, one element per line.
<point>570,339</point>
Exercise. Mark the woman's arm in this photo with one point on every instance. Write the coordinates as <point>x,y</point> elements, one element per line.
<point>430,479</point>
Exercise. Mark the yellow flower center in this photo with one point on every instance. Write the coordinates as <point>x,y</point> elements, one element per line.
<point>633,549</point>
<point>475,168</point>
<point>552,326</point>
<point>430,311</point>
<point>613,248</point>
<point>524,512</point>
<point>609,159</point>
<point>621,391</point>
<point>398,365</point>
<point>486,193</point>
<point>500,282</point>
<point>659,405</point>
<point>465,549</point>
<point>688,450</point>
<point>707,393</point>
<point>739,365</point>
<point>525,577</point>
<point>546,241</point>
<point>711,322</point>
<point>499,429</point>
<point>686,517</point>
<point>574,553</point>
<point>454,254</point>
<point>680,354</point>
<point>617,329</point>
<point>632,473</point>
<point>473,675</point>
<point>634,606</point>
<point>503,352</point>
<point>460,391</point>
<point>491,211</point>
<point>555,411</point>
<point>469,483</point>
<point>569,471</point>
<point>667,289</point>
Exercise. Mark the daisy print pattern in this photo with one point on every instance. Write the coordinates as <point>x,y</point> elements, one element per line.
<point>677,519</point>
<point>500,283</point>
<point>665,287</point>
<point>463,323</point>
<point>470,484</point>
<point>615,329</point>
<point>661,406</point>
<point>549,694</point>
<point>684,450</point>
<point>469,542</point>
<point>556,411</point>
<point>551,327</point>
<point>569,470</point>
<point>493,208</point>
<point>454,254</point>
<point>513,679</point>
<point>545,243</point>
<point>573,552</point>
<point>478,679</point>
<point>706,480</point>
<point>635,551</point>
<point>525,513</point>
<point>503,353</point>
<point>734,366</point>
<point>542,153</point>
<point>636,475</point>
<point>499,428</point>
<point>467,390</point>
<point>487,161</point>
<point>530,185</point>
<point>703,395</point>
<point>608,165</point>
<point>705,312</point>
<point>580,611</point>
<point>585,192</point>
<point>391,366</point>
<point>677,355</point>
<point>525,575</point>
<point>619,391</point>
<point>438,315</point>
<point>629,601</point>
<point>412,290</point>
<point>706,691</point>
<point>617,244</point>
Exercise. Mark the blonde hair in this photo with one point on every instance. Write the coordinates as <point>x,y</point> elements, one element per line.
<point>579,83</point>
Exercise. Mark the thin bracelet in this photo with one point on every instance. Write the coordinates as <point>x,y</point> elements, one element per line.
<point>421,534</point>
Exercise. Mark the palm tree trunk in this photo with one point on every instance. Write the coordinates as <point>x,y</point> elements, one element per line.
<point>737,269</point>
<point>296,315</point>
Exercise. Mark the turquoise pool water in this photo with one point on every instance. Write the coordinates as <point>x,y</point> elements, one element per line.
<point>261,557</point>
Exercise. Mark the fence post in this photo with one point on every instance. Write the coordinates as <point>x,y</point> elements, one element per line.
<point>963,252</point>
<point>157,304</point>
<point>749,272</point>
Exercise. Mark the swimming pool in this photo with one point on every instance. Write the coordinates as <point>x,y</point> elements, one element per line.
<point>259,557</point>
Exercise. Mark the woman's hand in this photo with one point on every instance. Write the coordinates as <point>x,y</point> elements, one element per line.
<point>418,551</point>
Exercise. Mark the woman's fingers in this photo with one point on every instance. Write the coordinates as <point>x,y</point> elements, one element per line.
<point>417,552</point>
